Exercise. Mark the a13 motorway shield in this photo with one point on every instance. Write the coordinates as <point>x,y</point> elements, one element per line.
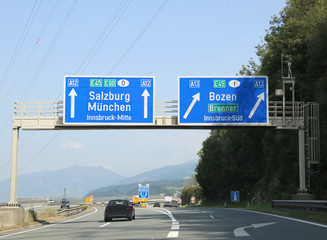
<point>223,101</point>
<point>108,100</point>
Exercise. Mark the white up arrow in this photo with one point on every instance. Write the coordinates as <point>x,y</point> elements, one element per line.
<point>145,95</point>
<point>72,95</point>
<point>195,97</point>
<point>260,97</point>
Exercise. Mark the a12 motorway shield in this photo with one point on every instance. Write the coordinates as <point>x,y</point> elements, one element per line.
<point>223,101</point>
<point>108,100</point>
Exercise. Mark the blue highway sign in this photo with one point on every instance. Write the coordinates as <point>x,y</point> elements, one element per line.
<point>235,195</point>
<point>108,100</point>
<point>143,192</point>
<point>223,101</point>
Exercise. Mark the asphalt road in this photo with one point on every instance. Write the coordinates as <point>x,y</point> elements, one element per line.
<point>178,223</point>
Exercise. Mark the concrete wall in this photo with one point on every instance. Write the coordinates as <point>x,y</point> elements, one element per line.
<point>9,216</point>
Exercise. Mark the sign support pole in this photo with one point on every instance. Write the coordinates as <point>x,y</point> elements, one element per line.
<point>302,162</point>
<point>14,160</point>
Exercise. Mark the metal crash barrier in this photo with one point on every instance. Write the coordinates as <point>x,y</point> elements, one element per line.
<point>72,211</point>
<point>304,205</point>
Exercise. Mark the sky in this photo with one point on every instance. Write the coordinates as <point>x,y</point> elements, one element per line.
<point>42,41</point>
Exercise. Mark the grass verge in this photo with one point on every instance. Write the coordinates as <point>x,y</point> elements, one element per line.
<point>320,217</point>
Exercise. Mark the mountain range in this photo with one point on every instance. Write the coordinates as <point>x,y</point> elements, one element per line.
<point>80,181</point>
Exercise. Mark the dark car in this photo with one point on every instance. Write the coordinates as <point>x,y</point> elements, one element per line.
<point>64,203</point>
<point>156,204</point>
<point>119,208</point>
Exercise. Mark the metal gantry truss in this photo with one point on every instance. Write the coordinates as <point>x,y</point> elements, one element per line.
<point>312,138</point>
<point>48,115</point>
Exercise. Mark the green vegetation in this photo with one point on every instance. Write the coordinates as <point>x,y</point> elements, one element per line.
<point>263,164</point>
<point>191,189</point>
<point>309,216</point>
<point>47,215</point>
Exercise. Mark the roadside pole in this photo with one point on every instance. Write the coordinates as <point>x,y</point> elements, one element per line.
<point>14,160</point>
<point>302,162</point>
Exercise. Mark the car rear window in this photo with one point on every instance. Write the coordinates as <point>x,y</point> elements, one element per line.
<point>118,202</point>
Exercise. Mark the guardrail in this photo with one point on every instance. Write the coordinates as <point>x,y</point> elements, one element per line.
<point>304,205</point>
<point>72,211</point>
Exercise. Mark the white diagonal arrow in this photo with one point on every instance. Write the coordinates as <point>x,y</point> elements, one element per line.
<point>195,97</point>
<point>240,232</point>
<point>72,95</point>
<point>145,95</point>
<point>260,97</point>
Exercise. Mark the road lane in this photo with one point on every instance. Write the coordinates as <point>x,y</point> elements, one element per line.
<point>220,223</point>
<point>149,224</point>
<point>176,223</point>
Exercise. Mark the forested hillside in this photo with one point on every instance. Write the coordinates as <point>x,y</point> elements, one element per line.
<point>264,163</point>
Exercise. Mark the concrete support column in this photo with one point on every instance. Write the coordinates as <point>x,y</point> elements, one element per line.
<point>14,161</point>
<point>302,162</point>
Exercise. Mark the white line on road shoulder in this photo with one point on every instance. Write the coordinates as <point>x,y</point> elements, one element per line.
<point>70,220</point>
<point>174,224</point>
<point>212,216</point>
<point>104,225</point>
<point>173,234</point>
<point>288,218</point>
<point>175,227</point>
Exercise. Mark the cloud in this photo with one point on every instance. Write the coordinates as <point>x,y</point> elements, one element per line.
<point>76,145</point>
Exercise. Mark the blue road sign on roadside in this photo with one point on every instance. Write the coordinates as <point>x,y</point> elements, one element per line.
<point>223,100</point>
<point>143,192</point>
<point>108,100</point>
<point>235,196</point>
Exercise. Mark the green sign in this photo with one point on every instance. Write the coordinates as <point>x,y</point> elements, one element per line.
<point>219,83</point>
<point>223,108</point>
<point>109,82</point>
<point>96,82</point>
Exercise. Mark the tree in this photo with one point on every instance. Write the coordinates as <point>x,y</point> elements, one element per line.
<point>191,189</point>
<point>266,162</point>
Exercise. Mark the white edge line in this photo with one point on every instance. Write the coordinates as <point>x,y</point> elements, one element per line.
<point>70,220</point>
<point>174,227</point>
<point>104,225</point>
<point>173,234</point>
<point>174,223</point>
<point>51,225</point>
<point>288,218</point>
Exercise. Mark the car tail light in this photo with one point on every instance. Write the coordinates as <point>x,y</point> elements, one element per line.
<point>106,208</point>
<point>128,208</point>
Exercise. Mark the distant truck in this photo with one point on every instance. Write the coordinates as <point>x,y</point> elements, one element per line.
<point>168,198</point>
<point>167,201</point>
